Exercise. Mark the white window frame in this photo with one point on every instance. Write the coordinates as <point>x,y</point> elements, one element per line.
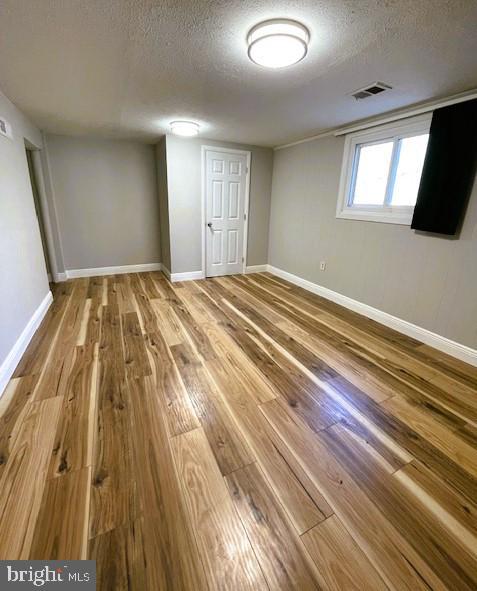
<point>379,213</point>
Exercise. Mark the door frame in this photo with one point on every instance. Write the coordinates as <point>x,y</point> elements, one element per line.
<point>248,154</point>
<point>45,212</point>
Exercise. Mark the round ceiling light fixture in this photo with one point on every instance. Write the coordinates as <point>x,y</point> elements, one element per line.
<point>184,128</point>
<point>278,43</point>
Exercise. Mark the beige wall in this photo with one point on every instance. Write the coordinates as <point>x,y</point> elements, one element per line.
<point>185,206</point>
<point>425,279</point>
<point>163,197</point>
<point>105,194</point>
<point>23,278</point>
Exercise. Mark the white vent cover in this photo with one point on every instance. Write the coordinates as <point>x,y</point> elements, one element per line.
<point>370,90</point>
<point>5,128</point>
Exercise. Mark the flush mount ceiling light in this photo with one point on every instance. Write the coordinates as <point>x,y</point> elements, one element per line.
<point>184,128</point>
<point>278,43</point>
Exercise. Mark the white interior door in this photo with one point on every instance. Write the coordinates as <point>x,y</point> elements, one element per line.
<point>225,182</point>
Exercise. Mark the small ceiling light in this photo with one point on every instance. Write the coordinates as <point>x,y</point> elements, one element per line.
<point>184,128</point>
<point>278,43</point>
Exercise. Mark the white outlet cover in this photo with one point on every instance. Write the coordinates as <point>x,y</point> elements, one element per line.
<point>322,265</point>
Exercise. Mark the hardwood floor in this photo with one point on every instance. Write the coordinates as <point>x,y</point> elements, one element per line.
<point>237,433</point>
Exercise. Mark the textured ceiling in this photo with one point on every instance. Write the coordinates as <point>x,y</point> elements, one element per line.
<point>125,68</point>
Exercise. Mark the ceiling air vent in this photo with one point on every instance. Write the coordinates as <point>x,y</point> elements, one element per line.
<point>371,90</point>
<point>5,128</point>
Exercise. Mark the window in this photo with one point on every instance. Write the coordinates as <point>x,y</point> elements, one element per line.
<point>382,170</point>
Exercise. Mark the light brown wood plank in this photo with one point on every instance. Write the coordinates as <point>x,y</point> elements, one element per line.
<point>303,503</point>
<point>240,372</point>
<point>121,563</point>
<point>226,552</point>
<point>451,445</point>
<point>145,310</point>
<point>73,445</point>
<point>340,561</point>
<point>168,322</point>
<point>14,404</point>
<point>125,295</point>
<point>23,480</point>
<point>114,499</point>
<point>282,557</point>
<point>170,547</point>
<point>61,530</point>
<point>255,303</point>
<point>54,375</point>
<point>452,366</point>
<point>93,329</point>
<point>176,402</point>
<point>447,502</point>
<point>81,338</point>
<point>135,356</point>
<point>199,340</point>
<point>149,286</point>
<point>227,443</point>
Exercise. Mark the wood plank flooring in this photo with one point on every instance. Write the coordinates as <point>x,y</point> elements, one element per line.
<point>237,433</point>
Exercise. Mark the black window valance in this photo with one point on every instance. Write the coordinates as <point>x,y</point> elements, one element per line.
<point>449,169</point>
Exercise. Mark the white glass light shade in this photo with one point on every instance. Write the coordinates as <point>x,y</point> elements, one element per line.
<point>278,43</point>
<point>184,128</point>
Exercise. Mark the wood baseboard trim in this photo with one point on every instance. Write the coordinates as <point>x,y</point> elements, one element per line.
<point>98,271</point>
<point>462,352</point>
<point>11,361</point>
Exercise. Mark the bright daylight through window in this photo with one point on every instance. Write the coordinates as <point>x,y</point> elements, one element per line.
<point>381,172</point>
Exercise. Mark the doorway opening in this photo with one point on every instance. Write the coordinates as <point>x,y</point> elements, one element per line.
<point>40,215</point>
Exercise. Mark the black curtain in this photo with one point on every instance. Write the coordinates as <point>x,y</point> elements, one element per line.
<point>449,169</point>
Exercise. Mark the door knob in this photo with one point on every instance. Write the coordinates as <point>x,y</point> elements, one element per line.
<point>210,225</point>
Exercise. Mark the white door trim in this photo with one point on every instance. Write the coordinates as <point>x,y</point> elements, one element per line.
<point>248,154</point>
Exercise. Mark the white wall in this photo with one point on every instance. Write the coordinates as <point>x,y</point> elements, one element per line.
<point>105,193</point>
<point>23,278</point>
<point>185,205</point>
<point>425,279</point>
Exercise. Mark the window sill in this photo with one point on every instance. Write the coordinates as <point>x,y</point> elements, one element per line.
<point>386,217</point>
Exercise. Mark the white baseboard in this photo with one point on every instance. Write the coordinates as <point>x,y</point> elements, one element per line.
<point>97,271</point>
<point>11,361</point>
<point>187,276</point>
<point>166,272</point>
<point>439,342</point>
<point>256,269</point>
<point>60,277</point>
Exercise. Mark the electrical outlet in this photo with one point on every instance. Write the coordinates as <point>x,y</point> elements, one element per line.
<point>322,266</point>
